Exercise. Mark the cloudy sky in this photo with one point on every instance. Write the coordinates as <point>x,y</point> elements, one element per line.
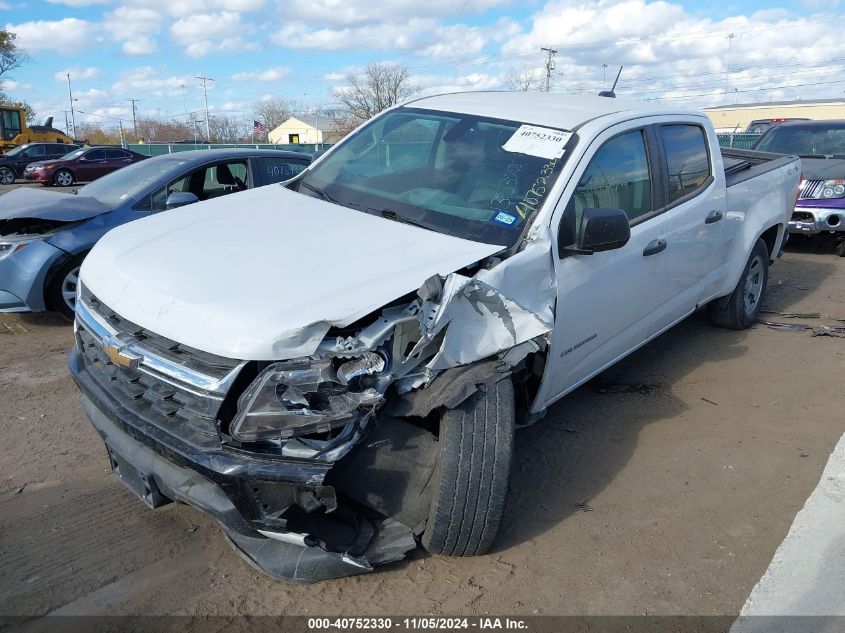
<point>152,50</point>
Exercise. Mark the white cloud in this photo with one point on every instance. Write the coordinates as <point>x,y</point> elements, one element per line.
<point>77,74</point>
<point>78,3</point>
<point>271,74</point>
<point>188,8</point>
<point>204,33</point>
<point>362,12</point>
<point>135,28</point>
<point>69,35</point>
<point>146,80</point>
<point>15,85</point>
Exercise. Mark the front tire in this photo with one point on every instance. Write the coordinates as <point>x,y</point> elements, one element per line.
<point>740,309</point>
<point>7,176</point>
<point>473,473</point>
<point>63,178</point>
<point>61,291</point>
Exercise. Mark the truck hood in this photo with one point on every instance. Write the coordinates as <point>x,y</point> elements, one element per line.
<point>822,168</point>
<point>263,274</point>
<point>26,202</point>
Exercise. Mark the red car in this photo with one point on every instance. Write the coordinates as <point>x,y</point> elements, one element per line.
<point>82,165</point>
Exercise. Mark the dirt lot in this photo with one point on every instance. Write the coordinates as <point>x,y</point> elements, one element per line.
<point>694,454</point>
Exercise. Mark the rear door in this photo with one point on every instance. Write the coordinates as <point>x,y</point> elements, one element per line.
<point>606,300</point>
<point>696,208</point>
<point>267,170</point>
<point>115,159</point>
<point>90,165</point>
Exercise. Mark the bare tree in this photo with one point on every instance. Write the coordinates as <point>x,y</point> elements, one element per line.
<point>10,57</point>
<point>227,129</point>
<point>524,80</point>
<point>379,87</point>
<point>273,112</point>
<point>165,131</point>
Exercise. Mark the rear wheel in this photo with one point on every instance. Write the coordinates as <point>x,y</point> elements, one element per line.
<point>740,309</point>
<point>61,291</point>
<point>63,178</point>
<point>471,482</point>
<point>7,176</point>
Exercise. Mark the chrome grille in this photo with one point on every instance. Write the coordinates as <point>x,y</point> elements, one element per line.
<point>179,389</point>
<point>811,189</point>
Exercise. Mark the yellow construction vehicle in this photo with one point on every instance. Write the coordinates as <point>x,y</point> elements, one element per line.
<point>14,131</point>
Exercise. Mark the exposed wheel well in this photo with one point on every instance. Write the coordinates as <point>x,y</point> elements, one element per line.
<point>770,237</point>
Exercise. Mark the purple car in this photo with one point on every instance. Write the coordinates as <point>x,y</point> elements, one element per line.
<point>821,200</point>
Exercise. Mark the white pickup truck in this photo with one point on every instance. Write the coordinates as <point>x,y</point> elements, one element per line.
<point>333,368</point>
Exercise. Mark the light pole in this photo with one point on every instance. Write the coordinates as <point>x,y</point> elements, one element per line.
<point>134,121</point>
<point>70,98</point>
<point>730,37</point>
<point>204,81</point>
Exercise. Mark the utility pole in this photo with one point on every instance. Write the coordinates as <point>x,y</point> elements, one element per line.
<point>122,138</point>
<point>604,76</point>
<point>67,124</point>
<point>134,121</point>
<point>70,97</point>
<point>730,37</point>
<point>550,64</point>
<point>204,81</point>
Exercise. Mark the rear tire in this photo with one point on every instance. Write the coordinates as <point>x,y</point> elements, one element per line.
<point>61,291</point>
<point>473,473</point>
<point>740,309</point>
<point>63,178</point>
<point>7,176</point>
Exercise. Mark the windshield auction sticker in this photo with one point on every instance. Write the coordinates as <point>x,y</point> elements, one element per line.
<point>537,141</point>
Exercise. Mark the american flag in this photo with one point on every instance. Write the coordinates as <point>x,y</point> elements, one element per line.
<point>258,127</point>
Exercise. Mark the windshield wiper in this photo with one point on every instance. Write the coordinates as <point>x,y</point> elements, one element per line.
<point>320,193</point>
<point>392,215</point>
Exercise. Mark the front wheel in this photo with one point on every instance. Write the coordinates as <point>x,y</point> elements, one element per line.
<point>63,178</point>
<point>61,291</point>
<point>740,309</point>
<point>473,473</point>
<point>7,176</point>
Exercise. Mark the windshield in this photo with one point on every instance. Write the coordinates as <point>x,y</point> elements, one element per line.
<point>16,151</point>
<point>447,172</point>
<point>805,140</point>
<point>131,181</point>
<point>74,154</point>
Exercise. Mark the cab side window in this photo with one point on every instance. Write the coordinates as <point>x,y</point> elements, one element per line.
<point>686,158</point>
<point>617,177</point>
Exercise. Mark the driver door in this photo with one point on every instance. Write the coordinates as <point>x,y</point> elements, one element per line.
<point>606,300</point>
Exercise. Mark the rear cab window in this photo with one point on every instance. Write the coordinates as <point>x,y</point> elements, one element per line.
<point>687,159</point>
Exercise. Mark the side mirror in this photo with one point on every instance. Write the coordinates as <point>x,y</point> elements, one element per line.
<point>180,199</point>
<point>601,230</point>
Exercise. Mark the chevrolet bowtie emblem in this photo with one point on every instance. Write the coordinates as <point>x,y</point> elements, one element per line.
<point>119,356</point>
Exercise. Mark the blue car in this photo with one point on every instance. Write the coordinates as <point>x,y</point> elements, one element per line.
<point>44,235</point>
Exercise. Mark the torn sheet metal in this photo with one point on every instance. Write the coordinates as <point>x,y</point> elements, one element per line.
<point>26,202</point>
<point>493,311</point>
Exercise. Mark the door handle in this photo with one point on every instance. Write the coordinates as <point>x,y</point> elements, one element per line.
<point>654,247</point>
<point>713,216</point>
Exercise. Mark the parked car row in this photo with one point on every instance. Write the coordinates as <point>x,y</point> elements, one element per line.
<point>13,163</point>
<point>45,236</point>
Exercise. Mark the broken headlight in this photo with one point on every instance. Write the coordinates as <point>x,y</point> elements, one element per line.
<point>9,248</point>
<point>301,397</point>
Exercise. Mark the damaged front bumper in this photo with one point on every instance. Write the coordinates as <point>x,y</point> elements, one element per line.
<point>246,494</point>
<point>23,275</point>
<point>815,220</point>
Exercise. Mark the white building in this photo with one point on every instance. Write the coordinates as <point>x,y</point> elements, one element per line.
<point>308,129</point>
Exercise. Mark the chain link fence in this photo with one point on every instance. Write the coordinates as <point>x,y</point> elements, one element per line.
<point>737,141</point>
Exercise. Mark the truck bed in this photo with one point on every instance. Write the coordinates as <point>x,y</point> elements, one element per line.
<point>743,164</point>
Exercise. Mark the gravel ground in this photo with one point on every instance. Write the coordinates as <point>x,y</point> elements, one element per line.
<point>694,455</point>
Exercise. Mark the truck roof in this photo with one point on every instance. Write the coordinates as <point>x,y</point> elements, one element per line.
<point>557,110</point>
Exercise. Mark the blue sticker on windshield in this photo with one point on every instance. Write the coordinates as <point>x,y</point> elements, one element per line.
<point>504,218</point>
